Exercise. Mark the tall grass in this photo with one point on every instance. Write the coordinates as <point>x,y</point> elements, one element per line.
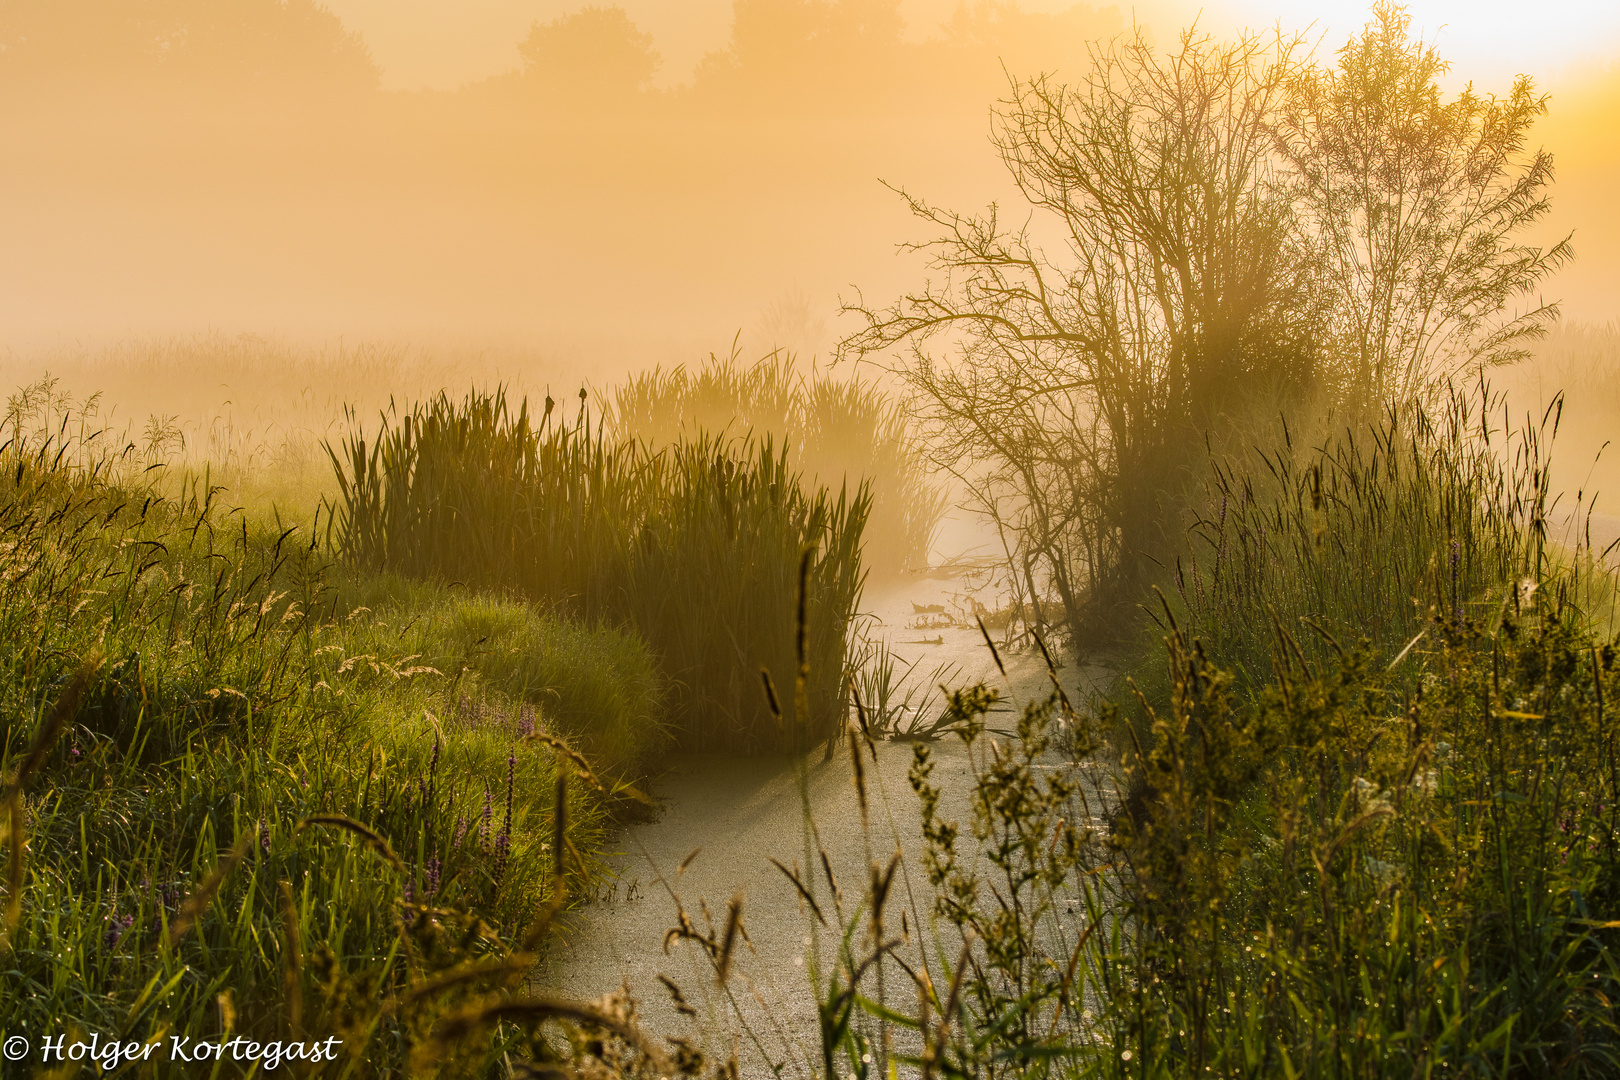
<point>1360,531</point>
<point>1387,859</point>
<point>714,585</point>
<point>1375,872</point>
<point>237,805</point>
<point>695,546</point>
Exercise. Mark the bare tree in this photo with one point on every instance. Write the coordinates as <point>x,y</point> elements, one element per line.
<point>1066,369</point>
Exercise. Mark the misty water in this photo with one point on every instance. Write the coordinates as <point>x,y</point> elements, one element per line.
<point>730,816</point>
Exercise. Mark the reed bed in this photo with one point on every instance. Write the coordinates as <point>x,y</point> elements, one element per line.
<point>1578,365</point>
<point>838,432</point>
<point>694,546</point>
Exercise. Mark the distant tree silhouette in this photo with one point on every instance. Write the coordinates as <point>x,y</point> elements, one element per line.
<point>221,45</point>
<point>594,54</point>
<point>787,44</point>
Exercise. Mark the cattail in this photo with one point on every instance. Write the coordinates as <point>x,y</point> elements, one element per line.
<point>722,967</point>
<point>559,821</point>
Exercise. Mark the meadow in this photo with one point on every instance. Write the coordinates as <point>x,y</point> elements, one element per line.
<point>328,749</point>
<point>340,775</point>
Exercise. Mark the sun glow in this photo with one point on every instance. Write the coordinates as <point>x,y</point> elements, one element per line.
<point>1487,41</point>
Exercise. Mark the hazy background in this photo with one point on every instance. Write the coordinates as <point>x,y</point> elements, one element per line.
<point>601,190</point>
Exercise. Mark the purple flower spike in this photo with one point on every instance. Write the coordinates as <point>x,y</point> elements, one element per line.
<point>117,927</point>
<point>511,776</point>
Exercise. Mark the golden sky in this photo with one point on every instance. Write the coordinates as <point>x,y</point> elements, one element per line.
<point>644,232</point>
<point>1570,47</point>
<point>1487,40</point>
<point>443,43</point>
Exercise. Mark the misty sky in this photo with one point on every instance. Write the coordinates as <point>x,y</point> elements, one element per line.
<point>641,228</point>
<point>440,44</point>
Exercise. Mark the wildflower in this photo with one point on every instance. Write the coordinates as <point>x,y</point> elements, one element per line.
<point>503,848</point>
<point>511,776</point>
<point>117,927</point>
<point>489,815</point>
